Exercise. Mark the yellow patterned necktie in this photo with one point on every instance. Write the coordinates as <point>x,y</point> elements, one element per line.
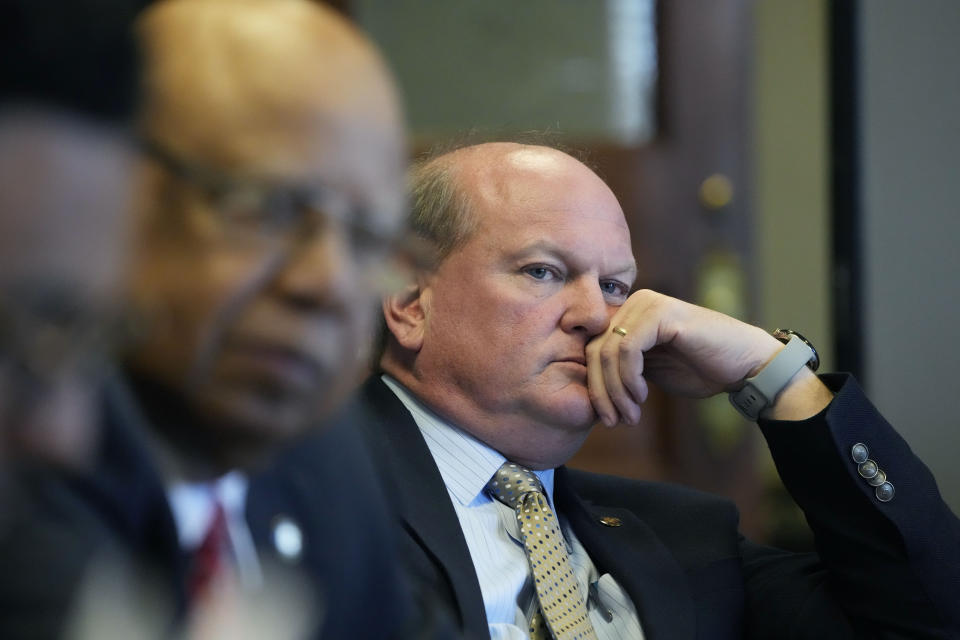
<point>562,606</point>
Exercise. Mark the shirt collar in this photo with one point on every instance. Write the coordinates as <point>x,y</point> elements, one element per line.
<point>193,504</point>
<point>466,464</point>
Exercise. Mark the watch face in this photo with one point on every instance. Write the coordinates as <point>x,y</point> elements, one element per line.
<point>784,335</point>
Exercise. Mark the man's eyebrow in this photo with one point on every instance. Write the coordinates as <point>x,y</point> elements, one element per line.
<point>632,271</point>
<point>540,246</point>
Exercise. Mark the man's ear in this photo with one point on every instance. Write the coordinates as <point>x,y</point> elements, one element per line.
<point>405,312</point>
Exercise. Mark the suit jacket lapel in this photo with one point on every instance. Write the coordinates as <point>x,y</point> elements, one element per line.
<point>633,554</point>
<point>421,499</point>
<point>127,495</point>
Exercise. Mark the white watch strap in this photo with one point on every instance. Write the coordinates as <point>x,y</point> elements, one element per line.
<point>759,391</point>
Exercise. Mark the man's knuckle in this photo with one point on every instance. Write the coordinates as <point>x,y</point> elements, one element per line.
<point>607,356</point>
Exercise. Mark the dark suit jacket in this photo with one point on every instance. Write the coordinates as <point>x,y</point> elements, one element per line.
<point>325,484</point>
<point>882,570</point>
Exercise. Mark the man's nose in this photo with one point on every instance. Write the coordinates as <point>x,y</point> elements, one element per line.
<point>587,309</point>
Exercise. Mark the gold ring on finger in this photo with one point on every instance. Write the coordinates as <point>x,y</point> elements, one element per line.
<point>620,330</point>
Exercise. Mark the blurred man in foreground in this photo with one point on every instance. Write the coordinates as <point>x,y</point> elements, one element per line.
<point>272,201</point>
<point>271,198</point>
<point>67,91</point>
<point>501,358</point>
<point>67,97</point>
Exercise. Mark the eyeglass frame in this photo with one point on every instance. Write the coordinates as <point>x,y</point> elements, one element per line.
<point>309,203</point>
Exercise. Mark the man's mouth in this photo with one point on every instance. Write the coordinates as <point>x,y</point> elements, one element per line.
<point>273,364</point>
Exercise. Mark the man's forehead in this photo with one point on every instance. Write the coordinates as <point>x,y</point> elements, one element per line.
<point>512,183</point>
<point>514,173</point>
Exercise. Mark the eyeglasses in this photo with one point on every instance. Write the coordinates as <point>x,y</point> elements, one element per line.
<point>264,215</point>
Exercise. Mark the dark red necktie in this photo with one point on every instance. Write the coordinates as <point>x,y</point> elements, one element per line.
<point>210,557</point>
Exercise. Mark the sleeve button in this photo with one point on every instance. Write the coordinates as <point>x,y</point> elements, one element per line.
<point>868,469</point>
<point>878,479</point>
<point>859,452</point>
<point>885,492</point>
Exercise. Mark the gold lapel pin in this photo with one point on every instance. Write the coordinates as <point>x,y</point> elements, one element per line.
<point>610,521</point>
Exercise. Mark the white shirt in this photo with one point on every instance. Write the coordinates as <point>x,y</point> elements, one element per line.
<point>493,538</point>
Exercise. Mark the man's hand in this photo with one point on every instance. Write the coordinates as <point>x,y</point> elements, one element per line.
<point>685,350</point>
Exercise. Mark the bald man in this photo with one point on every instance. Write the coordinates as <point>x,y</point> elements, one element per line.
<point>272,196</point>
<point>501,358</point>
<point>270,200</point>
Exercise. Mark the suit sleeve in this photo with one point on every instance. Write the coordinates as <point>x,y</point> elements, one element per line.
<point>887,569</point>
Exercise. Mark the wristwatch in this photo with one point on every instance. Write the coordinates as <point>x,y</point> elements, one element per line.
<point>759,391</point>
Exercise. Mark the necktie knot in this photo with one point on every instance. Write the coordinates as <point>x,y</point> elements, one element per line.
<point>511,482</point>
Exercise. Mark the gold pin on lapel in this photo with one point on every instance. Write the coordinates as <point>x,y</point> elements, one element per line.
<point>610,521</point>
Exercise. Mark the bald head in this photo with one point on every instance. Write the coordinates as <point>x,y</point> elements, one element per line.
<point>266,69</point>
<point>448,191</point>
<point>491,171</point>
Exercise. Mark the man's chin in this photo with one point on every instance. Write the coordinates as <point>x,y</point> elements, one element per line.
<point>571,409</point>
<point>251,422</point>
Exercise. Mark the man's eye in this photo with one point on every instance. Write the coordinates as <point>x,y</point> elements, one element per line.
<point>258,210</point>
<point>540,272</point>
<point>281,211</point>
<point>614,288</point>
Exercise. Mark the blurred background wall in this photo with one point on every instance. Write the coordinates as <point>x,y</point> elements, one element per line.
<point>791,197</point>
<point>715,122</point>
<point>910,160</point>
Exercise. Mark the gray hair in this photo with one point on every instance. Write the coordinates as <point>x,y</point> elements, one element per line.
<point>441,212</point>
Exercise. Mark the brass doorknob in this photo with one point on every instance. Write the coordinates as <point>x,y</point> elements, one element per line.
<point>716,192</point>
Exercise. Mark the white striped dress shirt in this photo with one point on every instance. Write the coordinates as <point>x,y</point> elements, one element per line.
<point>492,535</point>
